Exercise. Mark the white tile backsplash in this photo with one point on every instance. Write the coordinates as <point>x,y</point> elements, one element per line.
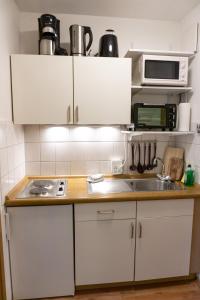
<point>78,168</point>
<point>32,152</point>
<point>33,168</point>
<point>54,133</point>
<point>77,150</point>
<point>63,168</point>
<point>32,133</point>
<point>48,152</point>
<point>12,156</point>
<point>48,168</point>
<point>3,161</point>
<point>62,152</point>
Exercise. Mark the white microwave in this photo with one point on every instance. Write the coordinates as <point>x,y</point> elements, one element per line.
<point>161,70</point>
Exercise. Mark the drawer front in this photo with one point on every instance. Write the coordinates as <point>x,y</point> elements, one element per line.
<point>165,208</point>
<point>105,211</point>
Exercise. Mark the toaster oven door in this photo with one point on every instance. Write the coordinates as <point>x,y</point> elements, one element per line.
<point>149,117</point>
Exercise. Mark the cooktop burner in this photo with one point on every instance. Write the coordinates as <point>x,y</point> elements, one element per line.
<point>38,191</point>
<point>44,188</point>
<point>43,183</point>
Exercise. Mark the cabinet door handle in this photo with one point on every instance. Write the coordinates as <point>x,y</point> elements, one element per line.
<point>106,212</point>
<point>139,230</point>
<point>69,114</point>
<point>7,223</point>
<point>76,114</point>
<point>132,230</point>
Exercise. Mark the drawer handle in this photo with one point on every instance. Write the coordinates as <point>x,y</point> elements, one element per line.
<point>106,212</point>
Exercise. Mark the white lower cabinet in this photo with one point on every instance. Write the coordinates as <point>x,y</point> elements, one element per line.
<point>105,239</point>
<point>163,240</point>
<point>41,251</point>
<point>104,246</point>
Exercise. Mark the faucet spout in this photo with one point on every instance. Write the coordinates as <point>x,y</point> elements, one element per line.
<point>155,162</point>
<point>162,176</point>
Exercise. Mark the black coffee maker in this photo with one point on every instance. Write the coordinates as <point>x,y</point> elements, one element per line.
<point>49,36</point>
<point>108,45</point>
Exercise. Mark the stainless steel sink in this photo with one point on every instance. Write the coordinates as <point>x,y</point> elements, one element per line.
<point>150,185</point>
<point>132,185</point>
<point>109,186</point>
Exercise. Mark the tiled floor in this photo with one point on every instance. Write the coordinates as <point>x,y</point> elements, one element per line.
<point>186,291</point>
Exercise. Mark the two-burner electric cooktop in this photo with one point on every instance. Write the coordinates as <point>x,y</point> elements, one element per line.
<point>45,188</point>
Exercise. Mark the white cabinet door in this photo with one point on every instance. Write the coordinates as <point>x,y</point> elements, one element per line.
<point>102,93</point>
<point>163,243</point>
<point>42,89</point>
<point>104,251</point>
<point>41,251</point>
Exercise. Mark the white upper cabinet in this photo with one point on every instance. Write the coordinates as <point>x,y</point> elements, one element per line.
<point>42,89</point>
<point>51,90</point>
<point>102,93</point>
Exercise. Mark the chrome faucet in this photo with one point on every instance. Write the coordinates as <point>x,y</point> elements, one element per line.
<point>162,176</point>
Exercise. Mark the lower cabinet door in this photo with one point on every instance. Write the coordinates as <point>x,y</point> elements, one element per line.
<point>104,251</point>
<point>163,246</point>
<point>41,251</point>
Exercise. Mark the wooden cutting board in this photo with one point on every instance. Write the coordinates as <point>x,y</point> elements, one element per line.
<point>174,156</point>
<point>176,168</point>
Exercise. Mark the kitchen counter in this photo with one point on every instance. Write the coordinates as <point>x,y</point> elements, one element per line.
<point>77,193</point>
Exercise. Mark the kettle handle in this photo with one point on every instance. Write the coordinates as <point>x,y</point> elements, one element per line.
<point>89,31</point>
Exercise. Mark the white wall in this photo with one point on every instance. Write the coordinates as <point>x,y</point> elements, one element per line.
<point>12,166</point>
<point>132,33</point>
<point>192,143</point>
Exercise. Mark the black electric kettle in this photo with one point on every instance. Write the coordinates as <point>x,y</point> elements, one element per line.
<point>78,34</point>
<point>108,45</point>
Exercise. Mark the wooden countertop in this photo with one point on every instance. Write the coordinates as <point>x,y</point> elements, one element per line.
<point>77,193</point>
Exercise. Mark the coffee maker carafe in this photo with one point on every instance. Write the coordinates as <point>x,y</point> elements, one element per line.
<point>49,36</point>
<point>78,34</point>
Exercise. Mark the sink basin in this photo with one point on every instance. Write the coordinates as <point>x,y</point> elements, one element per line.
<point>109,186</point>
<point>150,185</point>
<point>132,185</point>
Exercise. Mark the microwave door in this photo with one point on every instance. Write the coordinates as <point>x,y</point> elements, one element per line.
<point>163,72</point>
<point>156,69</point>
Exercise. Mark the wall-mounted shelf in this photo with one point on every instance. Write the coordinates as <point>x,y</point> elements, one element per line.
<point>136,53</point>
<point>166,133</point>
<point>159,90</point>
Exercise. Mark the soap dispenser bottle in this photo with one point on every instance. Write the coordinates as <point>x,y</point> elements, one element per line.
<point>189,176</point>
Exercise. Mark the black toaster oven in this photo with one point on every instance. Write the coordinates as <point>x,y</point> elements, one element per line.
<point>145,116</point>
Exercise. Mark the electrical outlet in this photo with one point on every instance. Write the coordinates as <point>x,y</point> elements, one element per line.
<point>117,167</point>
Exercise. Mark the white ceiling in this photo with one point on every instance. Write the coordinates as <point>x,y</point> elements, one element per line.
<point>145,9</point>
